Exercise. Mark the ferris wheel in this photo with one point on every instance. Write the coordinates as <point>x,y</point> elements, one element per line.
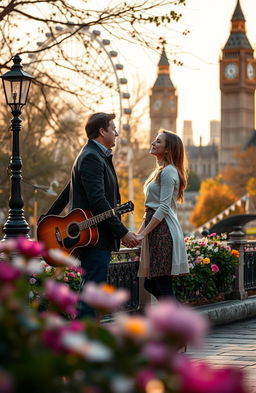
<point>88,74</point>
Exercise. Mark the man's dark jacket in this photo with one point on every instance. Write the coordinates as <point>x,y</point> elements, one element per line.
<point>94,187</point>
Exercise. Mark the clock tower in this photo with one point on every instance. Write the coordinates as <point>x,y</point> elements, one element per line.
<point>237,84</point>
<point>163,100</point>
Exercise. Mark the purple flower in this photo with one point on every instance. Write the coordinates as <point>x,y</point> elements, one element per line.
<point>61,296</point>
<point>174,320</point>
<point>29,248</point>
<point>215,268</point>
<point>8,272</point>
<point>32,281</point>
<point>104,296</point>
<point>156,352</point>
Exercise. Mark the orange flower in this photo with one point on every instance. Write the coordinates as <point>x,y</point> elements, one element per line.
<point>235,252</point>
<point>107,288</point>
<point>136,327</point>
<point>206,261</point>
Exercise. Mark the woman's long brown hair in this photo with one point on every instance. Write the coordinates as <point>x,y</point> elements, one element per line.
<point>176,156</point>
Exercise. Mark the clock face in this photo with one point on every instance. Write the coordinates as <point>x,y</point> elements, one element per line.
<point>231,71</point>
<point>250,71</point>
<point>157,105</point>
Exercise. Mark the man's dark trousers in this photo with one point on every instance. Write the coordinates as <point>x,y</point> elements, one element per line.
<point>95,263</point>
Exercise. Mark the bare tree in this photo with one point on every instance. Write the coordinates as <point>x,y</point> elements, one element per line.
<point>122,19</point>
<point>49,30</point>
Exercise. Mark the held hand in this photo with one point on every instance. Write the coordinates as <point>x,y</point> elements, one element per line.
<point>140,236</point>
<point>130,240</point>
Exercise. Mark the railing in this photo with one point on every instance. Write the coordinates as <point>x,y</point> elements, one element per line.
<point>125,263</point>
<point>123,274</point>
<point>247,264</point>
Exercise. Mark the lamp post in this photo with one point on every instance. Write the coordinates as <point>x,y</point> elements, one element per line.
<point>16,84</point>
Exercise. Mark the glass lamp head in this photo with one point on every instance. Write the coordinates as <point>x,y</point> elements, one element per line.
<point>16,83</point>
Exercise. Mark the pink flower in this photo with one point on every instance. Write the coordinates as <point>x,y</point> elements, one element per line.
<point>6,382</point>
<point>215,268</point>
<point>143,377</point>
<point>29,248</point>
<point>61,296</point>
<point>8,272</point>
<point>104,296</point>
<point>199,377</point>
<point>174,320</point>
<point>8,245</point>
<point>55,328</point>
<point>71,274</point>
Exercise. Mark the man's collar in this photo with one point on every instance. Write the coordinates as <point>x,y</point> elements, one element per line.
<point>105,150</point>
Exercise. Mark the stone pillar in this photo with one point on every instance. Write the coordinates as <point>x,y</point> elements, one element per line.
<point>237,241</point>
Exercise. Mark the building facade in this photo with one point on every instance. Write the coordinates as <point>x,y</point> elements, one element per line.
<point>215,132</point>
<point>187,133</point>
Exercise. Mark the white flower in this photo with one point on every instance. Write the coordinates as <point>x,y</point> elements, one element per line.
<point>48,269</point>
<point>62,258</point>
<point>89,349</point>
<point>122,384</point>
<point>33,266</point>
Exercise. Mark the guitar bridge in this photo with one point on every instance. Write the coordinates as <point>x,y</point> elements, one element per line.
<point>58,237</point>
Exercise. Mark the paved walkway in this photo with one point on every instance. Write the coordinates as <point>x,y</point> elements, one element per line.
<point>235,345</point>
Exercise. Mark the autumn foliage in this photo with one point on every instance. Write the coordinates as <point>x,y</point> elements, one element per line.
<point>214,197</point>
<point>238,176</point>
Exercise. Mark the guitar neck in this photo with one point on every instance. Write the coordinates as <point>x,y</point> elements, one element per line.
<point>96,219</point>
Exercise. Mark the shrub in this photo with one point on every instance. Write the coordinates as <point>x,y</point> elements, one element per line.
<point>212,265</point>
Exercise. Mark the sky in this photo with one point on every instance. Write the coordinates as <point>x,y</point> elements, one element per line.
<point>197,81</point>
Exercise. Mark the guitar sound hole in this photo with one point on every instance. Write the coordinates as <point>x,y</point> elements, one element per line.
<point>73,230</point>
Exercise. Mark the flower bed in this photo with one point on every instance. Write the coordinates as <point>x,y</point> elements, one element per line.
<point>40,351</point>
<point>212,266</point>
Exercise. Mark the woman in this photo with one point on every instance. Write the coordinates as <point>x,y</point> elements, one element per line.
<point>163,252</point>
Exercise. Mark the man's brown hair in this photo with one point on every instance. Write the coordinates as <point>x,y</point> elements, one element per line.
<point>97,121</point>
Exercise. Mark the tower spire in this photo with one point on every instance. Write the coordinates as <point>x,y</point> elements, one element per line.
<point>238,13</point>
<point>238,38</point>
<point>163,73</point>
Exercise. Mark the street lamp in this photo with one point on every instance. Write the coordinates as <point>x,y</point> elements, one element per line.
<point>16,83</point>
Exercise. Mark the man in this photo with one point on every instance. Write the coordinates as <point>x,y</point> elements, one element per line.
<point>94,187</point>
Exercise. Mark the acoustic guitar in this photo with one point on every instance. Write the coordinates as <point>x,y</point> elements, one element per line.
<point>75,230</point>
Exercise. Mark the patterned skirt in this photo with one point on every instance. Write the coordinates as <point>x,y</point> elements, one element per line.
<point>160,247</point>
